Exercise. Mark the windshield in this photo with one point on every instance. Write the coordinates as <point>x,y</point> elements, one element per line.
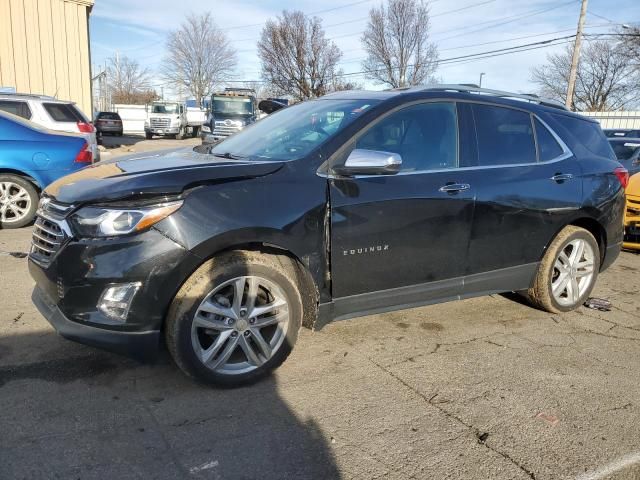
<point>167,108</point>
<point>232,106</point>
<point>293,132</point>
<point>625,150</point>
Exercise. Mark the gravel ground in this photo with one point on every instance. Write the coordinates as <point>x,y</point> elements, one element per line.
<point>482,388</point>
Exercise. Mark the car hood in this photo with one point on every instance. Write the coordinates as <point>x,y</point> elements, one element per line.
<point>154,174</point>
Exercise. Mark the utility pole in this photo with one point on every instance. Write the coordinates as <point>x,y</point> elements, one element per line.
<point>575,59</point>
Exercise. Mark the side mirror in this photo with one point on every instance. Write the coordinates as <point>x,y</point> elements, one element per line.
<point>370,162</point>
<point>270,106</point>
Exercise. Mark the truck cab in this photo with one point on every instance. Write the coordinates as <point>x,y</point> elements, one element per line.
<point>231,111</point>
<point>165,119</point>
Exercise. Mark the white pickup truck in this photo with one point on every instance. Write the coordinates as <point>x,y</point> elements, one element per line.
<point>173,119</point>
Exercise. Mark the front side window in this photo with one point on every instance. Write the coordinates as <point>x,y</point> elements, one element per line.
<point>21,109</point>
<point>504,136</point>
<point>424,135</point>
<point>293,132</point>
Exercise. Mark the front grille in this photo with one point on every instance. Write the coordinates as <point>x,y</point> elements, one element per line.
<point>223,130</point>
<point>47,238</point>
<point>160,122</point>
<point>48,234</point>
<point>633,207</point>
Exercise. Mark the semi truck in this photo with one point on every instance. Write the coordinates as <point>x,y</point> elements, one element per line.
<point>173,119</point>
<point>231,110</point>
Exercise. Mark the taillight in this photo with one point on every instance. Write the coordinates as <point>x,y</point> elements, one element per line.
<point>623,176</point>
<point>84,155</point>
<point>85,127</point>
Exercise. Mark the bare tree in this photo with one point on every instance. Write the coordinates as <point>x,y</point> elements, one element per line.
<point>297,59</point>
<point>199,56</point>
<point>629,36</point>
<point>606,80</point>
<point>127,82</point>
<point>397,44</point>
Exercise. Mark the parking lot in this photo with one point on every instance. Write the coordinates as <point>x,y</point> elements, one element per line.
<point>113,147</point>
<point>483,388</point>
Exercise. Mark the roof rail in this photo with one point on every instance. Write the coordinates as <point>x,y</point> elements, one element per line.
<point>496,93</point>
<point>32,95</point>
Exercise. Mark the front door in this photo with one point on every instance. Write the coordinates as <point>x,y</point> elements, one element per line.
<point>410,229</point>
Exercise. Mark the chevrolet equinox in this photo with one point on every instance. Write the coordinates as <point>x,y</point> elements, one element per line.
<point>355,203</point>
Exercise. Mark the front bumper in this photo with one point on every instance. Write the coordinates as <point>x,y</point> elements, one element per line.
<point>140,345</point>
<point>69,287</point>
<point>162,131</point>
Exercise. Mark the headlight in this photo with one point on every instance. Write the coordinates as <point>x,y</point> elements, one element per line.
<point>146,123</point>
<point>95,222</point>
<point>206,129</point>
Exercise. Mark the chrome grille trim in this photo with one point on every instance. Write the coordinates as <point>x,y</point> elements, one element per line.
<point>50,230</point>
<point>160,122</point>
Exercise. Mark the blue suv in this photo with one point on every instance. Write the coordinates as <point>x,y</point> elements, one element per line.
<point>32,157</point>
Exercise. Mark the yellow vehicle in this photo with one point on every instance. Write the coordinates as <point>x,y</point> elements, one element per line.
<point>632,215</point>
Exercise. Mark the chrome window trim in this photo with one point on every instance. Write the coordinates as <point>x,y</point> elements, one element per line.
<point>567,153</point>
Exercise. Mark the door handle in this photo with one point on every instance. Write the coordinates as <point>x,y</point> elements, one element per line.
<point>561,177</point>
<point>454,187</point>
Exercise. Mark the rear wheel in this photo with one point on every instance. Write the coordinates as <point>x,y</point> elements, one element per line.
<point>18,201</point>
<point>568,272</point>
<point>236,318</point>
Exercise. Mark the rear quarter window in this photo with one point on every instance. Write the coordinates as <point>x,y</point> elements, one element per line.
<point>62,112</point>
<point>588,133</point>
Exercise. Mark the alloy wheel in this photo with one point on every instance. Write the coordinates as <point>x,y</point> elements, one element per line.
<point>15,202</point>
<point>572,272</point>
<point>240,325</point>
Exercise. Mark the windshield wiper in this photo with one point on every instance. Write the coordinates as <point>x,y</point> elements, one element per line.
<point>229,155</point>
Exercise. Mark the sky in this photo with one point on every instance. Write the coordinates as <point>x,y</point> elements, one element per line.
<point>138,29</point>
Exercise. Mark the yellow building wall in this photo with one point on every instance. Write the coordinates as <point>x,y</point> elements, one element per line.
<point>44,48</point>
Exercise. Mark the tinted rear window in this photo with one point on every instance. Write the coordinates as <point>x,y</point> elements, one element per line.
<point>109,116</point>
<point>505,136</point>
<point>20,109</point>
<point>589,134</point>
<point>62,112</point>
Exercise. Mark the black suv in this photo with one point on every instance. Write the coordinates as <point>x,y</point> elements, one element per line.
<point>355,203</point>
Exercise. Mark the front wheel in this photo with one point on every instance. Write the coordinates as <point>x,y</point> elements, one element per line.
<point>180,134</point>
<point>18,201</point>
<point>148,135</point>
<point>568,272</point>
<point>236,318</point>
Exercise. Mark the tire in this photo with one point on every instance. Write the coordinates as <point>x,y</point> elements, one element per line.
<point>148,135</point>
<point>24,196</point>
<point>194,132</point>
<point>559,266</point>
<point>191,332</point>
<point>180,135</point>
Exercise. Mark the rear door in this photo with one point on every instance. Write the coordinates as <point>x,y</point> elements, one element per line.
<point>403,230</point>
<point>528,186</point>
